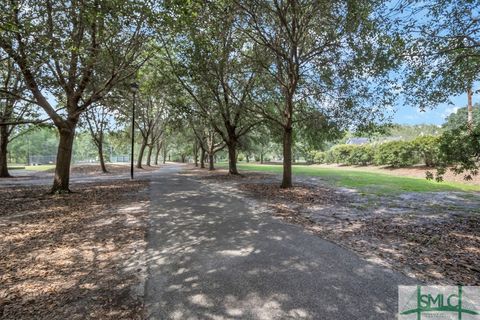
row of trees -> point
(293, 69)
(38, 145)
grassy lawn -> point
(15, 167)
(365, 181)
(43, 167)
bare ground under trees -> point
(74, 256)
(432, 236)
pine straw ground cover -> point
(72, 256)
(433, 236)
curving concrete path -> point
(210, 256)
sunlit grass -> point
(15, 167)
(43, 167)
(365, 180)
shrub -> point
(396, 154)
(361, 155)
(309, 156)
(428, 149)
(319, 157)
(329, 157)
(341, 153)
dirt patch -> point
(72, 256)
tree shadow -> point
(73, 256)
(211, 256)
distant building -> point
(358, 141)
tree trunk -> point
(165, 151)
(64, 157)
(149, 155)
(247, 158)
(232, 158)
(287, 158)
(195, 154)
(157, 154)
(469, 110)
(140, 155)
(211, 166)
(3, 152)
(202, 158)
(261, 158)
(101, 157)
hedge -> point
(394, 153)
(362, 155)
(428, 149)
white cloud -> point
(449, 111)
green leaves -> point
(460, 152)
(441, 53)
(458, 119)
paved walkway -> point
(212, 257)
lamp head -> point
(134, 87)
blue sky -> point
(410, 115)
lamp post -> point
(134, 88)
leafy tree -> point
(212, 68)
(315, 53)
(118, 138)
(98, 120)
(71, 54)
(459, 118)
(313, 133)
(149, 122)
(15, 109)
(35, 141)
(409, 132)
(442, 52)
(259, 142)
(459, 150)
(208, 140)
(84, 149)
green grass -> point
(15, 167)
(43, 167)
(364, 180)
